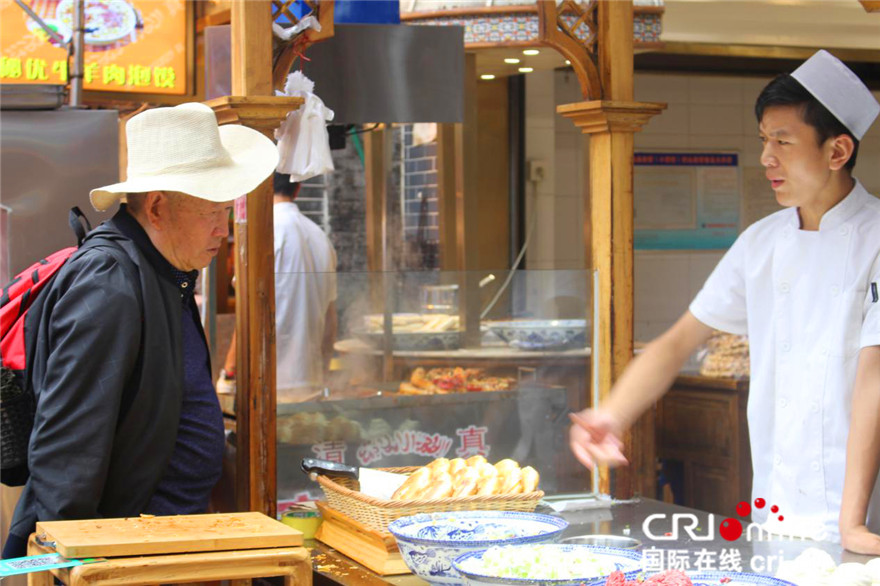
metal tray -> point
(30, 96)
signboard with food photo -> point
(131, 45)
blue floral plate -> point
(606, 559)
(430, 542)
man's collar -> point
(845, 208)
(132, 229)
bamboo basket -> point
(343, 496)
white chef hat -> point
(839, 90)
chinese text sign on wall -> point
(131, 45)
(686, 200)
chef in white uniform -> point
(803, 285)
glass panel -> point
(432, 364)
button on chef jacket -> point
(804, 299)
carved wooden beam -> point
(263, 113)
(610, 116)
(559, 32)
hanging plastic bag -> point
(303, 142)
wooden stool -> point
(239, 567)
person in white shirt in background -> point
(803, 285)
(305, 301)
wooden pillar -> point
(611, 123)
(255, 269)
(377, 162)
(466, 210)
(446, 196)
(376, 188)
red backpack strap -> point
(17, 297)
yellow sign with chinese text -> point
(131, 45)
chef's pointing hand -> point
(595, 438)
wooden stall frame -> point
(611, 121)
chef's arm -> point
(862, 456)
(651, 373)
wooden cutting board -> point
(134, 536)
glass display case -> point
(430, 364)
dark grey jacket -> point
(92, 347)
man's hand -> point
(859, 540)
(595, 438)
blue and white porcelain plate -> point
(595, 563)
(430, 542)
(473, 528)
(734, 579)
(541, 334)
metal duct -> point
(373, 73)
(390, 73)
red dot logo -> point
(774, 509)
(743, 509)
(759, 503)
(781, 518)
(731, 529)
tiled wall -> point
(704, 113)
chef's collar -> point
(127, 224)
(840, 213)
(845, 208)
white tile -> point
(720, 142)
(569, 233)
(752, 88)
(750, 123)
(701, 264)
(651, 87)
(712, 90)
(645, 331)
(751, 152)
(568, 140)
(566, 164)
(645, 141)
(568, 89)
(660, 285)
(673, 120)
(540, 123)
(540, 144)
(715, 119)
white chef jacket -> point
(805, 300)
(305, 285)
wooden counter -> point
(702, 436)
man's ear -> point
(842, 147)
(157, 208)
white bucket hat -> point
(183, 149)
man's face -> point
(796, 164)
(195, 229)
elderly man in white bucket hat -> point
(127, 419)
(803, 285)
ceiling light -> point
(512, 60)
(487, 76)
(526, 69)
(531, 52)
(567, 62)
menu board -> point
(686, 200)
(131, 45)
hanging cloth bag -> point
(303, 142)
